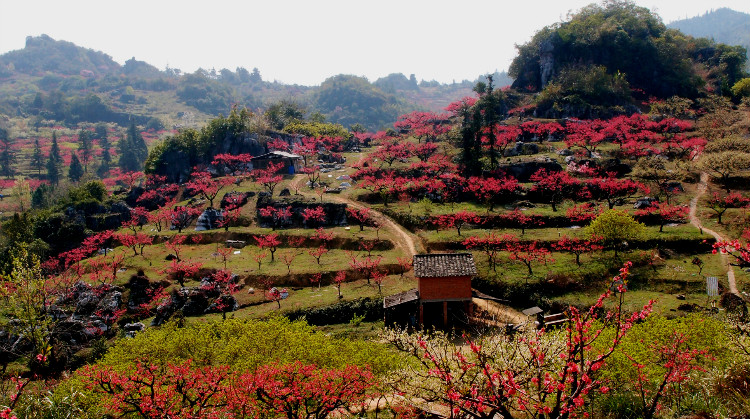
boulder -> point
(86, 303)
(235, 244)
(645, 202)
(110, 302)
(196, 304)
(132, 328)
(209, 219)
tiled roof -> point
(400, 298)
(444, 264)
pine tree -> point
(41, 196)
(54, 161)
(53, 170)
(133, 150)
(127, 161)
(75, 173)
(37, 159)
(7, 155)
(138, 143)
(54, 150)
(85, 138)
(470, 143)
(489, 108)
(103, 170)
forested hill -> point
(722, 25)
(609, 56)
(62, 81)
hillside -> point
(575, 246)
(722, 25)
(45, 67)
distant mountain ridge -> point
(52, 67)
(722, 25)
(44, 54)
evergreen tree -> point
(37, 159)
(54, 161)
(75, 173)
(489, 110)
(53, 170)
(127, 161)
(133, 150)
(138, 143)
(54, 150)
(41, 196)
(106, 163)
(7, 155)
(103, 170)
(85, 138)
(470, 143)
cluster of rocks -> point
(196, 301)
(645, 202)
(522, 148)
(209, 219)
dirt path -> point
(402, 239)
(702, 187)
(499, 312)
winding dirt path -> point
(694, 220)
(402, 239)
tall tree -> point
(7, 155)
(37, 159)
(53, 170)
(85, 139)
(54, 150)
(488, 109)
(133, 150)
(103, 169)
(470, 143)
(75, 173)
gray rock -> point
(111, 301)
(235, 244)
(209, 219)
(645, 202)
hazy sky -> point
(306, 41)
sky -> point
(306, 41)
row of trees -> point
(132, 152)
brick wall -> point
(444, 288)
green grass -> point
(670, 233)
(309, 297)
(671, 275)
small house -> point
(292, 163)
(443, 295)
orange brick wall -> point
(444, 288)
